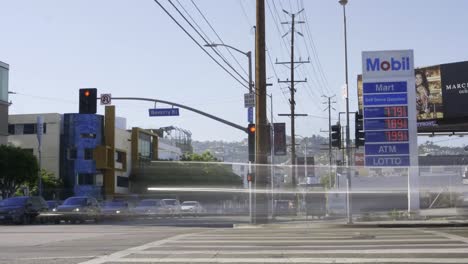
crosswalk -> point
(300, 245)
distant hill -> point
(237, 151)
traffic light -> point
(251, 142)
(250, 177)
(359, 130)
(88, 101)
(336, 136)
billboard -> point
(280, 139)
(441, 96)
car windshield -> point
(75, 201)
(148, 203)
(170, 202)
(15, 201)
(115, 204)
(189, 203)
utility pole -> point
(292, 82)
(329, 107)
(261, 134)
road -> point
(282, 243)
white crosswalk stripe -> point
(300, 245)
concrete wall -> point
(50, 139)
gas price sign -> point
(387, 96)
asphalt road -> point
(145, 242)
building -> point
(4, 68)
(93, 154)
(22, 130)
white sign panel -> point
(389, 110)
(249, 100)
(106, 99)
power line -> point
(199, 34)
(199, 45)
(219, 38)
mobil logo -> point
(391, 64)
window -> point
(119, 157)
(11, 129)
(122, 181)
(72, 154)
(88, 154)
(29, 129)
(86, 179)
(88, 135)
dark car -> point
(116, 207)
(53, 204)
(22, 209)
(79, 209)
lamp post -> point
(248, 54)
(348, 141)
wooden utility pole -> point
(261, 134)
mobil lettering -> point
(394, 64)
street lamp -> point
(248, 54)
(348, 141)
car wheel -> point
(24, 219)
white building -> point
(3, 102)
(22, 130)
(167, 150)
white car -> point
(191, 207)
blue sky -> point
(132, 48)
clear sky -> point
(132, 48)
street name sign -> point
(164, 112)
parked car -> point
(115, 207)
(79, 209)
(149, 207)
(53, 204)
(172, 207)
(22, 209)
(191, 207)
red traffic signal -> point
(250, 177)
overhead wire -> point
(198, 44)
(217, 35)
(204, 37)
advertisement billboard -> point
(441, 96)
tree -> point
(51, 185)
(204, 157)
(17, 167)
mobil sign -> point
(387, 64)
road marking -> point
(351, 236)
(449, 236)
(315, 252)
(295, 260)
(316, 246)
(123, 253)
(58, 257)
(313, 241)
